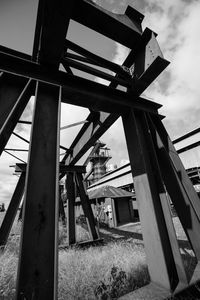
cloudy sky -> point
(177, 23)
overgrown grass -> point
(103, 272)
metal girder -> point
(148, 61)
(163, 254)
(11, 89)
(88, 135)
(94, 235)
(71, 196)
(14, 52)
(76, 90)
(179, 186)
(13, 103)
(98, 73)
(94, 58)
(124, 28)
(12, 210)
(62, 168)
(14, 156)
(37, 270)
(72, 169)
(55, 21)
(26, 141)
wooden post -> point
(37, 270)
(153, 210)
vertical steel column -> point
(61, 208)
(178, 165)
(164, 199)
(71, 222)
(151, 195)
(179, 196)
(12, 210)
(87, 208)
(37, 270)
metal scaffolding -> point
(156, 168)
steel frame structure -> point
(157, 170)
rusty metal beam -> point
(76, 90)
(14, 156)
(15, 93)
(98, 73)
(179, 186)
(15, 112)
(12, 210)
(16, 149)
(124, 28)
(62, 168)
(94, 235)
(56, 17)
(101, 121)
(38, 30)
(88, 135)
(153, 209)
(24, 122)
(71, 196)
(38, 248)
(26, 141)
(94, 58)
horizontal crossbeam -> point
(96, 59)
(123, 28)
(76, 90)
(90, 70)
(63, 168)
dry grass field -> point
(104, 272)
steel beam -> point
(124, 28)
(14, 156)
(9, 118)
(61, 208)
(180, 195)
(151, 197)
(178, 165)
(94, 235)
(37, 270)
(15, 93)
(12, 210)
(76, 90)
(102, 62)
(148, 62)
(71, 221)
(96, 72)
(56, 17)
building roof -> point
(109, 192)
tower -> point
(98, 160)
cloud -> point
(177, 24)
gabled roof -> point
(109, 192)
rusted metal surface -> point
(151, 196)
(71, 195)
(40, 213)
(186, 202)
(38, 248)
(94, 235)
(12, 210)
(15, 93)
